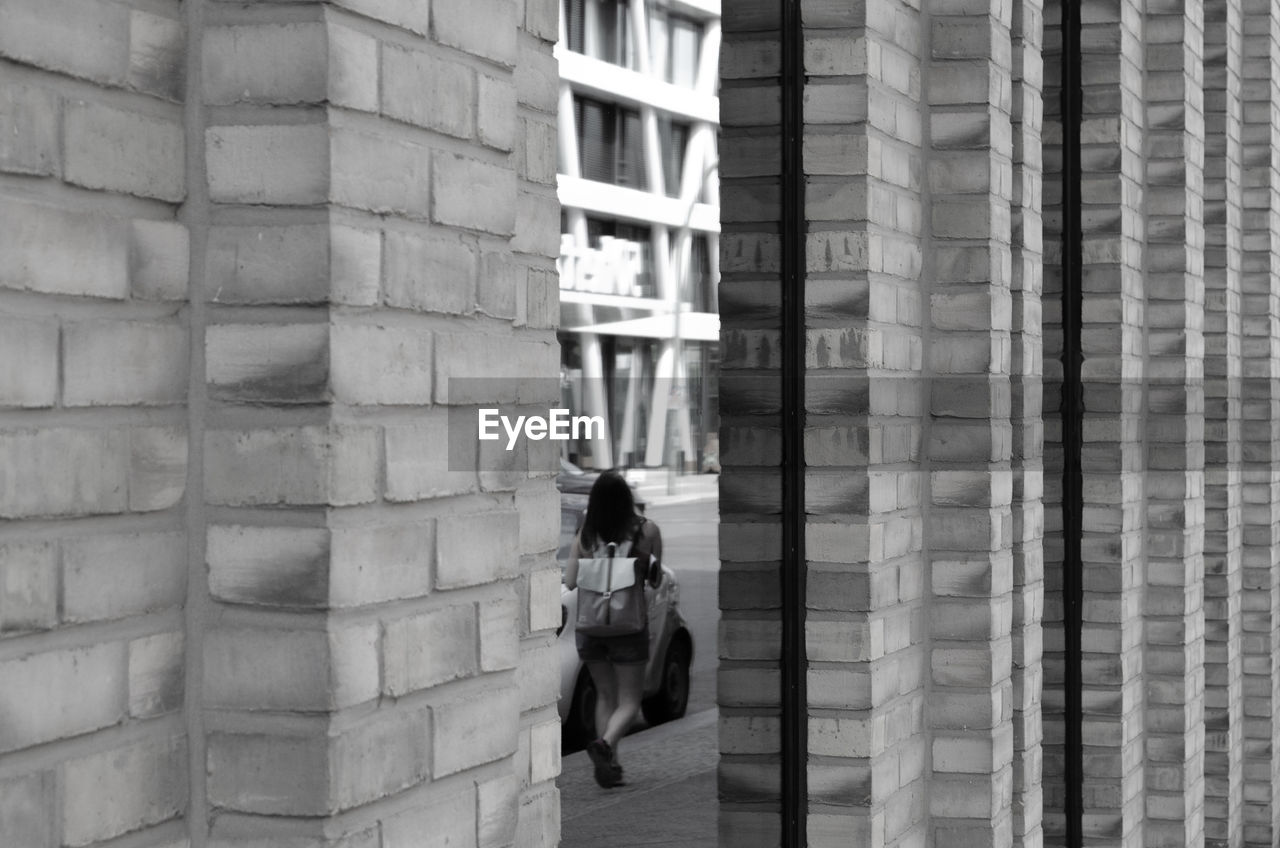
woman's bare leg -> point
(606, 693)
(629, 686)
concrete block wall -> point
(243, 597)
(94, 386)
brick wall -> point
(1224, 507)
(1260, 412)
(1026, 370)
(94, 336)
(749, 679)
(927, 258)
(242, 597)
(912, 509)
(1168, 463)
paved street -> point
(669, 798)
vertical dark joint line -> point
(794, 663)
(1072, 419)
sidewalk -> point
(669, 798)
(652, 485)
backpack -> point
(611, 598)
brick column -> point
(1173, 607)
(379, 627)
(94, 370)
(1026, 410)
(1224, 737)
(749, 683)
(1052, 635)
(968, 440)
(865, 633)
(1260, 429)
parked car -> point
(666, 679)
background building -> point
(639, 249)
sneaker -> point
(607, 771)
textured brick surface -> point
(159, 252)
(109, 577)
(1223, 546)
(29, 127)
(91, 258)
(118, 363)
(113, 793)
(275, 63)
(267, 264)
(1025, 378)
(118, 150)
(34, 701)
(286, 165)
(96, 341)
(747, 676)
(366, 154)
(30, 346)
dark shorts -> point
(619, 650)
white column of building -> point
(698, 174)
(593, 394)
(665, 269)
(675, 260)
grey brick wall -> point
(93, 424)
(1224, 362)
(748, 679)
(1260, 428)
(924, 150)
(1026, 370)
(245, 246)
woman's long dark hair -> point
(611, 511)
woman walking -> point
(616, 663)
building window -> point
(674, 138)
(610, 145)
(673, 43)
(600, 29)
(699, 292)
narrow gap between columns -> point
(794, 699)
(1072, 419)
